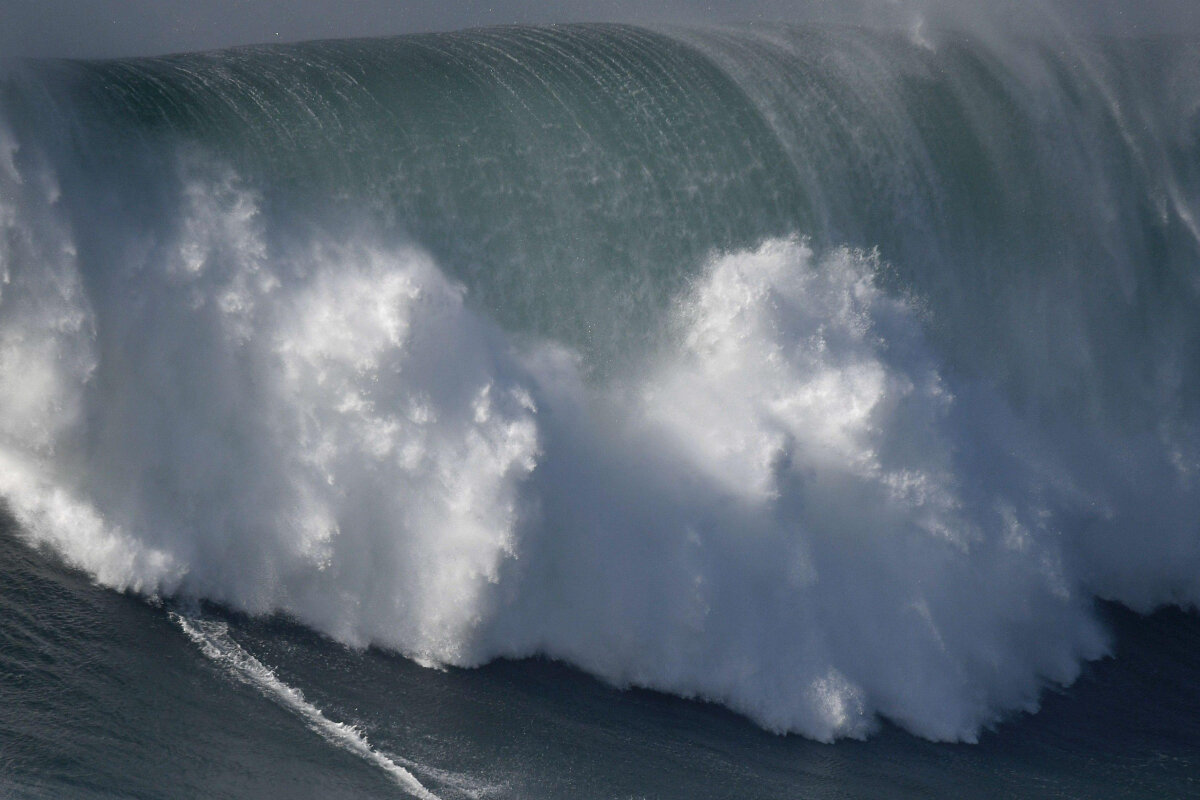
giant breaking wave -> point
(828, 375)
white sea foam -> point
(788, 508)
(775, 516)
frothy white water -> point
(788, 508)
(330, 432)
(774, 515)
(213, 639)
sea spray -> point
(786, 512)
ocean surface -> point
(603, 412)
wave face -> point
(827, 374)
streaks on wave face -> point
(571, 176)
(509, 342)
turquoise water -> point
(571, 411)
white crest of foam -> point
(781, 361)
(788, 509)
(772, 517)
(326, 429)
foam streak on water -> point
(213, 639)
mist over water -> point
(831, 375)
